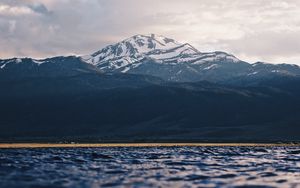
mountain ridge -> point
(170, 60)
(166, 58)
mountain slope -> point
(78, 108)
(19, 68)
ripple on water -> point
(193, 177)
(294, 152)
(95, 155)
(267, 174)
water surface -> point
(151, 167)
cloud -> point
(252, 30)
(14, 10)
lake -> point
(172, 166)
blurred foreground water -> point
(151, 167)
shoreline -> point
(87, 145)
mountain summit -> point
(126, 54)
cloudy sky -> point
(266, 30)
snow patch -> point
(125, 69)
(38, 61)
(18, 60)
(252, 73)
(213, 66)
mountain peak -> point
(159, 38)
(139, 47)
(146, 43)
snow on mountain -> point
(279, 69)
(134, 47)
(131, 49)
(128, 54)
(5, 62)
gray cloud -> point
(252, 30)
(39, 8)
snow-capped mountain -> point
(174, 61)
(122, 55)
(163, 57)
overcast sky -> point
(253, 30)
